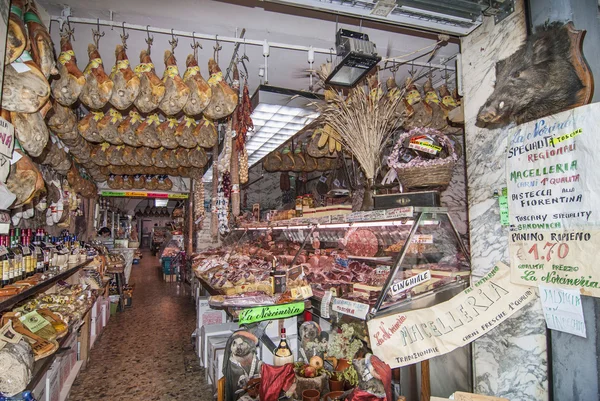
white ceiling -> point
(263, 21)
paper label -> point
(20, 67)
(426, 147)
(449, 101)
(7, 138)
(303, 292)
(413, 97)
(410, 337)
(325, 302)
(504, 216)
(215, 79)
(34, 321)
(432, 97)
(3, 250)
(9, 335)
(563, 310)
(172, 71)
(382, 269)
(422, 239)
(399, 212)
(271, 312)
(554, 200)
(350, 308)
(410, 282)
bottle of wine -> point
(283, 353)
(4, 261)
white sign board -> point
(410, 282)
(554, 200)
(563, 310)
(351, 308)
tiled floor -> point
(145, 353)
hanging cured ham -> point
(185, 133)
(42, 49)
(127, 129)
(176, 91)
(25, 89)
(144, 156)
(198, 157)
(16, 40)
(88, 127)
(67, 88)
(98, 86)
(61, 119)
(182, 158)
(152, 89)
(32, 132)
(206, 134)
(108, 127)
(166, 133)
(147, 132)
(223, 100)
(200, 92)
(126, 84)
(25, 181)
(158, 157)
(129, 156)
(98, 154)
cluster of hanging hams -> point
(124, 132)
(300, 160)
(140, 87)
(140, 181)
(29, 65)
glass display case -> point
(382, 259)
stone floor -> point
(146, 353)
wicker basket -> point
(426, 174)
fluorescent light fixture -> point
(359, 57)
(277, 114)
(161, 202)
(453, 17)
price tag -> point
(323, 179)
(325, 302)
(350, 308)
(410, 282)
(34, 321)
(422, 239)
(382, 269)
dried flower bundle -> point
(365, 120)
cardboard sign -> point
(563, 310)
(554, 200)
(7, 138)
(410, 282)
(34, 321)
(350, 308)
(271, 312)
(410, 337)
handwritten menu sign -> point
(410, 337)
(554, 200)
(563, 310)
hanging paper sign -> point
(563, 310)
(410, 282)
(554, 200)
(410, 337)
(271, 312)
(351, 308)
(7, 138)
(399, 212)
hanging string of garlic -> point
(243, 165)
(224, 162)
(199, 212)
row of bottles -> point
(24, 253)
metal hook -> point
(149, 39)
(96, 33)
(216, 48)
(195, 45)
(67, 32)
(173, 42)
(124, 37)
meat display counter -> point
(366, 264)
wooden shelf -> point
(9, 302)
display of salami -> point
(362, 242)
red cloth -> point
(384, 372)
(274, 379)
(361, 395)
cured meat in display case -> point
(380, 259)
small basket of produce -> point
(423, 157)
